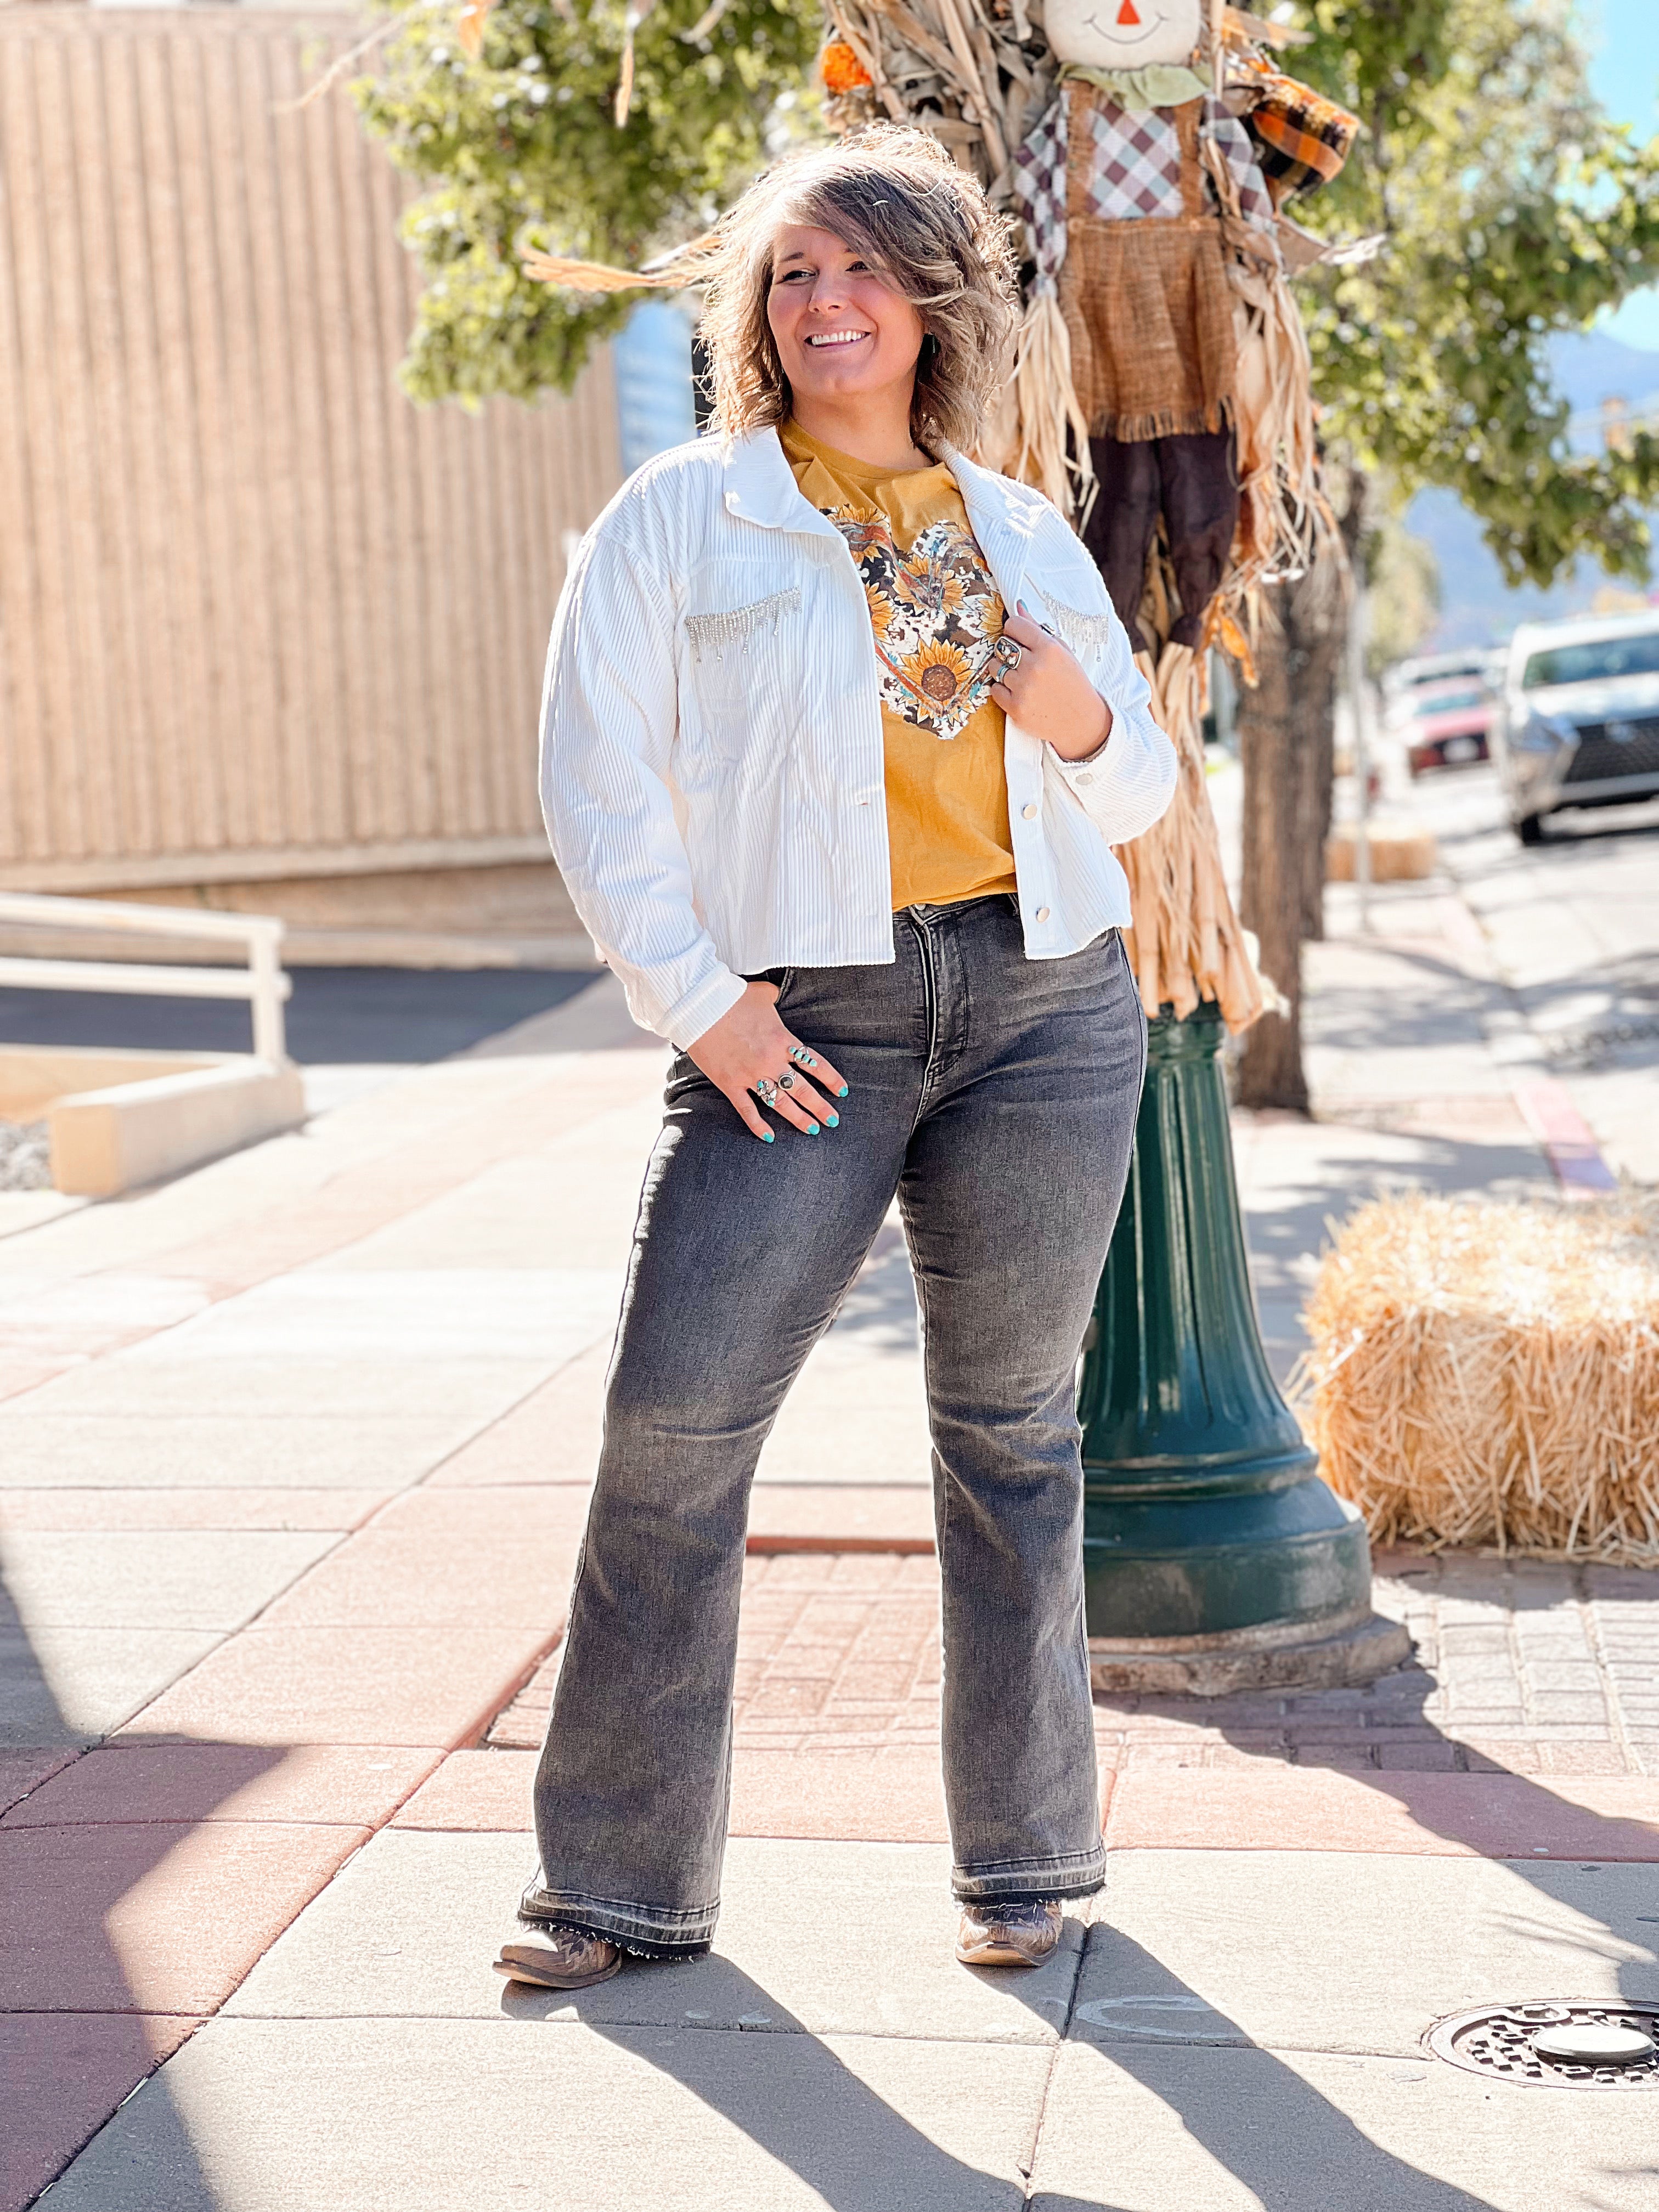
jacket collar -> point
(760, 487)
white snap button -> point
(1087, 777)
(1029, 812)
(1042, 913)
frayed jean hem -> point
(1030, 1881)
(634, 1929)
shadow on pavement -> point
(1541, 1832)
(1276, 2127)
(337, 1017)
(860, 2154)
(75, 2038)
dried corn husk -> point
(976, 78)
(686, 265)
(1187, 944)
(1489, 1374)
(469, 26)
(1050, 444)
(592, 276)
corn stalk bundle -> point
(1186, 943)
(975, 73)
(1489, 1374)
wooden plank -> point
(244, 737)
(57, 807)
(74, 157)
(324, 815)
(128, 716)
(400, 507)
(369, 395)
(24, 827)
(219, 755)
(153, 677)
(336, 344)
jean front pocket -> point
(779, 978)
(1092, 969)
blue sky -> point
(1624, 39)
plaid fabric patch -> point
(1135, 170)
(1040, 189)
(1302, 139)
(1255, 201)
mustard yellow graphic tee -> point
(936, 614)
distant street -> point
(1573, 926)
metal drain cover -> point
(1575, 2044)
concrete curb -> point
(104, 1142)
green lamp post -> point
(1214, 1557)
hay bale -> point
(1489, 1374)
(1400, 855)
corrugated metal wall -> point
(259, 614)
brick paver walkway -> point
(1522, 1666)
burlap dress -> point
(1146, 296)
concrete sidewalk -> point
(292, 1464)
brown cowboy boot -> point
(554, 1958)
(995, 1935)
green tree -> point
(1510, 209)
(521, 149)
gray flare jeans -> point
(996, 1095)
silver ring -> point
(1010, 654)
(785, 1081)
(801, 1057)
(767, 1092)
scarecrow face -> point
(1123, 35)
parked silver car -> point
(1578, 722)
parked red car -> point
(1448, 726)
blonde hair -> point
(894, 195)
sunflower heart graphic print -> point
(936, 615)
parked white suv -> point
(1578, 722)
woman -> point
(837, 731)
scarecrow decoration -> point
(1161, 393)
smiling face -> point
(843, 333)
(1123, 35)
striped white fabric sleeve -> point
(609, 710)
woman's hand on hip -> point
(1048, 694)
(749, 1047)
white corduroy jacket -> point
(711, 752)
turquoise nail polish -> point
(812, 1129)
(833, 1118)
(766, 1136)
(841, 1093)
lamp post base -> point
(1338, 1653)
(1214, 1558)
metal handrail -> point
(264, 983)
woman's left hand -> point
(1048, 694)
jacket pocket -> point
(743, 664)
(1085, 635)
